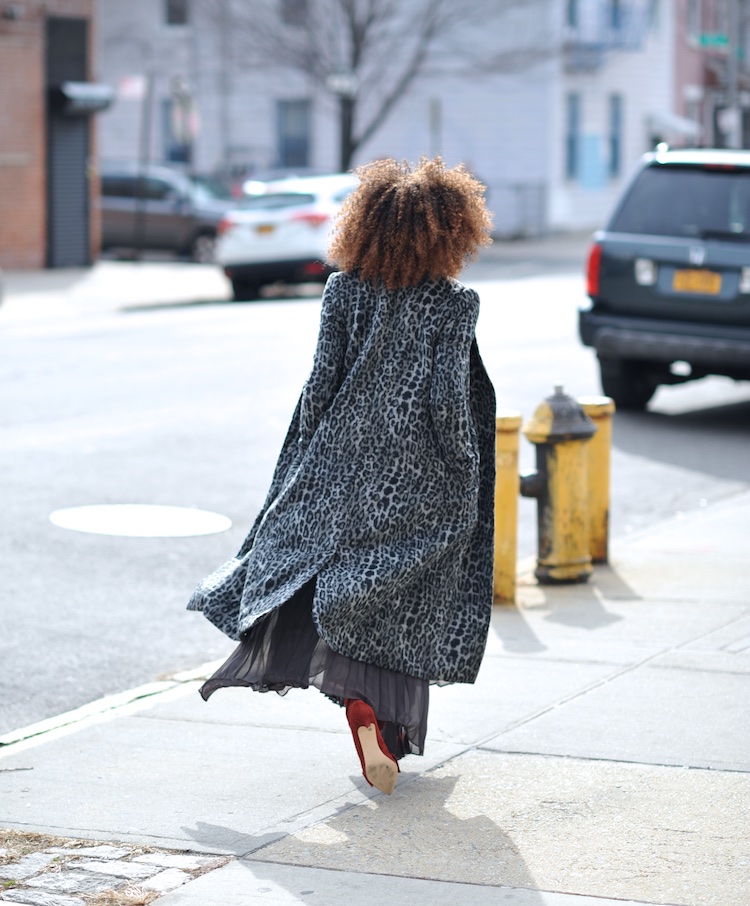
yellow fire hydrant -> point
(559, 429)
(507, 426)
(600, 410)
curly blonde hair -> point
(404, 225)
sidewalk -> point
(111, 285)
(602, 757)
(108, 286)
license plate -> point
(264, 229)
(697, 281)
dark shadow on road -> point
(712, 440)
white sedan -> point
(281, 234)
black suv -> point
(669, 276)
(159, 209)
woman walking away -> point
(368, 572)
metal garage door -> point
(68, 211)
(67, 149)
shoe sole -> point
(380, 770)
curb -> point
(107, 705)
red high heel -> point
(379, 768)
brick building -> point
(48, 209)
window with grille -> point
(572, 135)
(176, 12)
(293, 131)
(294, 12)
(615, 15)
(615, 134)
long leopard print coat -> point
(383, 491)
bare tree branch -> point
(388, 44)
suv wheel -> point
(629, 384)
(243, 291)
(203, 248)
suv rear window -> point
(696, 202)
(277, 200)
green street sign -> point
(713, 39)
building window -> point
(572, 135)
(293, 125)
(294, 12)
(615, 15)
(653, 13)
(615, 134)
(176, 12)
(571, 14)
(176, 138)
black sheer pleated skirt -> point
(284, 651)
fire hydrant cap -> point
(557, 419)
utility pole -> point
(343, 83)
(224, 88)
(734, 112)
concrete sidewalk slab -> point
(662, 835)
(245, 882)
(549, 778)
(516, 688)
(115, 778)
(651, 715)
(183, 784)
(731, 639)
(564, 620)
(508, 690)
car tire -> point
(244, 291)
(203, 248)
(629, 384)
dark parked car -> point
(161, 210)
(669, 276)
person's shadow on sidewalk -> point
(432, 828)
(215, 838)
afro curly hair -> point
(403, 225)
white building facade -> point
(553, 131)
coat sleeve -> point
(450, 400)
(328, 364)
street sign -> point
(713, 39)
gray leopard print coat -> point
(383, 491)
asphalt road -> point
(145, 401)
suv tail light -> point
(592, 270)
(311, 218)
(224, 225)
(314, 269)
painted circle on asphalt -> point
(135, 520)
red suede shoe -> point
(379, 768)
